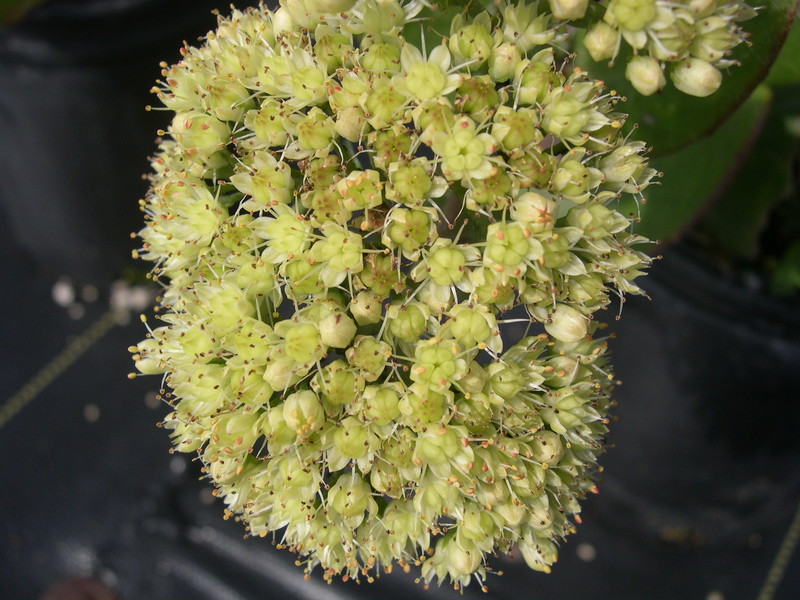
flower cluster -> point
(344, 224)
(693, 37)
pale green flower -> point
(464, 151)
(427, 77)
(338, 220)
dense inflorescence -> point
(343, 224)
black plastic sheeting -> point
(91, 490)
(75, 77)
(698, 489)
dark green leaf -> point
(737, 218)
(786, 70)
(693, 175)
(435, 26)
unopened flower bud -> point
(472, 43)
(547, 447)
(283, 22)
(567, 324)
(383, 57)
(303, 343)
(569, 9)
(701, 7)
(535, 78)
(645, 75)
(515, 128)
(513, 515)
(380, 404)
(572, 180)
(337, 330)
(351, 123)
(477, 96)
(369, 355)
(384, 105)
(350, 496)
(337, 383)
(696, 77)
(382, 17)
(633, 15)
(351, 438)
(503, 62)
(281, 372)
(315, 130)
(436, 447)
(366, 308)
(332, 48)
(407, 322)
(602, 41)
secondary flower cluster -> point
(343, 224)
(694, 37)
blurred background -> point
(702, 477)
